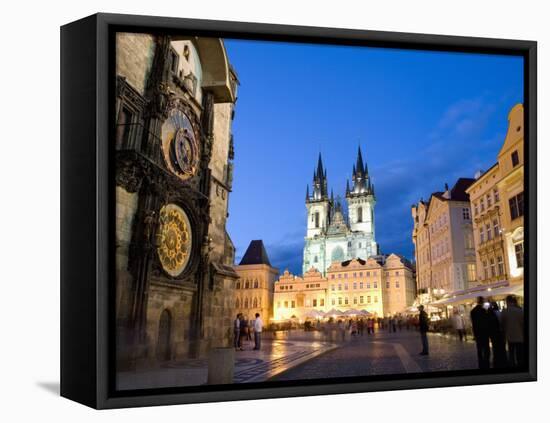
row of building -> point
(472, 235)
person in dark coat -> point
(423, 324)
(497, 337)
(481, 328)
(512, 325)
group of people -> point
(243, 329)
(498, 333)
(494, 330)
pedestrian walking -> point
(481, 327)
(258, 326)
(423, 325)
(393, 322)
(237, 333)
(496, 337)
(512, 325)
(459, 325)
(361, 326)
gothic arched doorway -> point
(164, 336)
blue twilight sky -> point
(422, 119)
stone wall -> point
(134, 56)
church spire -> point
(320, 185)
(360, 177)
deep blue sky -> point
(422, 119)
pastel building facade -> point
(498, 209)
(382, 285)
(443, 240)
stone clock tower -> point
(174, 149)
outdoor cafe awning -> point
(470, 297)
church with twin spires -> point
(333, 235)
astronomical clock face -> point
(174, 239)
(179, 145)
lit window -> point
(516, 206)
(518, 248)
(515, 159)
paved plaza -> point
(311, 355)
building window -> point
(488, 230)
(475, 209)
(485, 270)
(333, 301)
(238, 285)
(368, 299)
(493, 267)
(322, 302)
(124, 127)
(237, 303)
(339, 300)
(361, 298)
(360, 285)
(354, 285)
(375, 285)
(360, 245)
(292, 304)
(360, 216)
(500, 265)
(255, 302)
(375, 299)
(361, 274)
(496, 195)
(286, 304)
(387, 284)
(174, 63)
(489, 200)
(516, 206)
(247, 284)
(332, 276)
(256, 283)
(346, 301)
(339, 287)
(468, 241)
(519, 254)
(481, 235)
(471, 269)
(482, 205)
(316, 219)
(315, 259)
(346, 286)
(397, 284)
(496, 229)
(333, 288)
(354, 300)
(466, 213)
(515, 158)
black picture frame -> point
(87, 208)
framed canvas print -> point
(255, 211)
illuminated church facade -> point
(332, 234)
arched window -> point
(237, 303)
(359, 214)
(255, 303)
(246, 303)
(238, 285)
(256, 283)
(247, 284)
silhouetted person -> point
(237, 332)
(481, 326)
(458, 325)
(496, 336)
(423, 325)
(512, 325)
